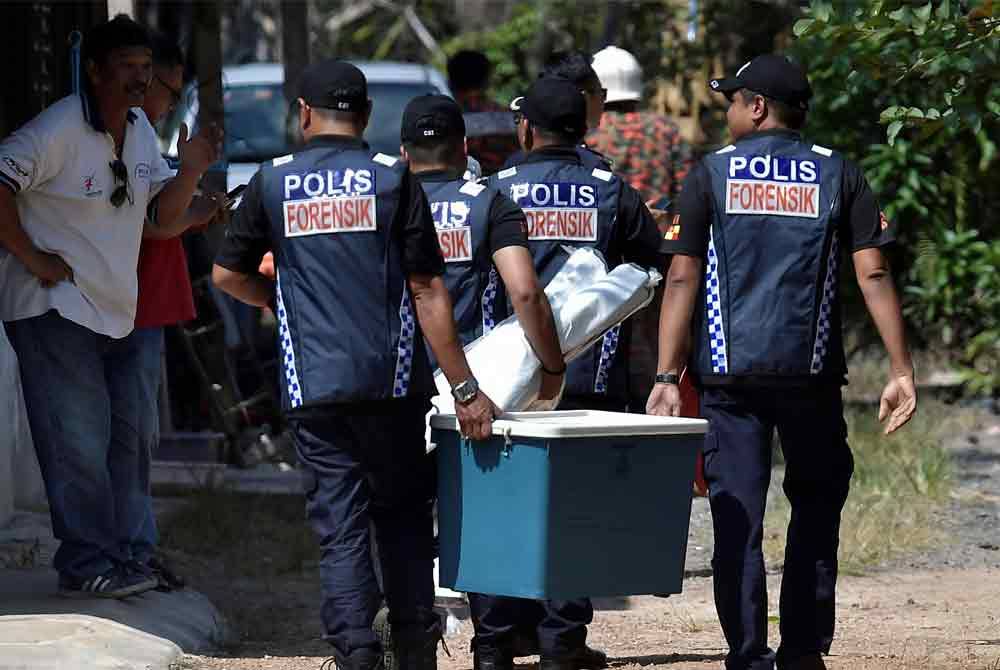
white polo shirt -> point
(59, 166)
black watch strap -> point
(668, 378)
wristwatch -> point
(466, 391)
(668, 378)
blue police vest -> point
(569, 205)
(347, 327)
(769, 303)
(461, 212)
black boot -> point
(486, 657)
(581, 658)
(359, 659)
(415, 646)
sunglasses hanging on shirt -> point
(123, 191)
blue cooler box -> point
(566, 504)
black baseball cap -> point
(334, 84)
(431, 118)
(772, 76)
(554, 103)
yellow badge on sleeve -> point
(674, 231)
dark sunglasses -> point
(175, 94)
(122, 192)
(518, 117)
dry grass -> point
(898, 482)
(244, 535)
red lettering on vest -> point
(562, 223)
(329, 215)
(754, 196)
(455, 243)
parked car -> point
(260, 123)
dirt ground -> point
(937, 610)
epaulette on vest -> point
(509, 172)
(603, 175)
(822, 151)
(281, 160)
(472, 188)
(384, 159)
(726, 150)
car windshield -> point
(256, 117)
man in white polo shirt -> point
(76, 183)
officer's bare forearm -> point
(12, 235)
(253, 289)
(530, 304)
(679, 295)
(535, 314)
(875, 279)
(434, 312)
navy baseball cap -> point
(431, 118)
(772, 76)
(334, 84)
(554, 103)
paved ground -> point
(40, 630)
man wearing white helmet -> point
(647, 151)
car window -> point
(388, 102)
(260, 125)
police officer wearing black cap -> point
(358, 288)
(569, 203)
(483, 237)
(762, 226)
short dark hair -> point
(558, 136)
(166, 52)
(572, 65)
(119, 32)
(433, 152)
(787, 115)
(337, 115)
(469, 70)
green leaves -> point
(909, 88)
(893, 130)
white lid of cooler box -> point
(582, 423)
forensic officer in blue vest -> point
(569, 202)
(483, 237)
(762, 226)
(358, 288)
(575, 66)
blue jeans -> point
(818, 468)
(138, 523)
(83, 402)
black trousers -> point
(559, 625)
(818, 469)
(364, 471)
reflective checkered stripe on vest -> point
(461, 212)
(769, 302)
(346, 325)
(569, 206)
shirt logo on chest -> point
(451, 220)
(558, 210)
(772, 185)
(90, 186)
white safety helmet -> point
(619, 72)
